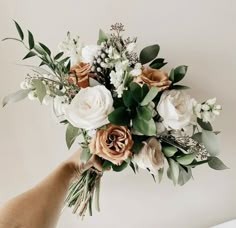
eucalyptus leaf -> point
(197, 137)
(216, 163)
(71, 134)
(173, 170)
(157, 63)
(40, 89)
(160, 174)
(184, 176)
(186, 159)
(144, 113)
(149, 53)
(169, 151)
(31, 40)
(136, 91)
(210, 142)
(145, 127)
(128, 99)
(152, 93)
(85, 154)
(21, 34)
(179, 73)
(14, 97)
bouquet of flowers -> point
(121, 107)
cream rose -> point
(150, 156)
(112, 143)
(90, 108)
(88, 53)
(176, 109)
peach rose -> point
(79, 74)
(153, 77)
(112, 143)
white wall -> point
(201, 34)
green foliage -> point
(20, 32)
(173, 170)
(216, 163)
(119, 168)
(149, 53)
(14, 97)
(129, 100)
(178, 73)
(45, 48)
(144, 113)
(152, 93)
(157, 63)
(210, 142)
(40, 89)
(120, 116)
(143, 126)
(186, 159)
(106, 165)
(197, 137)
(102, 37)
(184, 176)
(31, 40)
(168, 150)
(204, 125)
(71, 134)
(138, 142)
(179, 87)
(85, 154)
(136, 91)
(59, 55)
(160, 174)
(29, 55)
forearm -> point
(39, 207)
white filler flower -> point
(90, 108)
(176, 109)
(88, 53)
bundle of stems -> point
(82, 192)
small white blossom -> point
(32, 95)
(130, 47)
(89, 52)
(137, 70)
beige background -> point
(201, 34)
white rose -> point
(88, 53)
(90, 108)
(150, 156)
(176, 109)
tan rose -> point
(153, 77)
(79, 74)
(112, 143)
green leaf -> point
(119, 116)
(186, 159)
(216, 163)
(180, 72)
(160, 174)
(197, 163)
(204, 125)
(136, 91)
(119, 168)
(173, 170)
(59, 55)
(172, 75)
(184, 176)
(197, 137)
(152, 93)
(132, 167)
(145, 127)
(157, 63)
(144, 113)
(31, 40)
(21, 34)
(29, 55)
(102, 37)
(149, 53)
(38, 49)
(85, 154)
(179, 87)
(169, 151)
(210, 142)
(45, 48)
(14, 97)
(40, 89)
(71, 134)
(97, 194)
(106, 165)
(128, 99)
